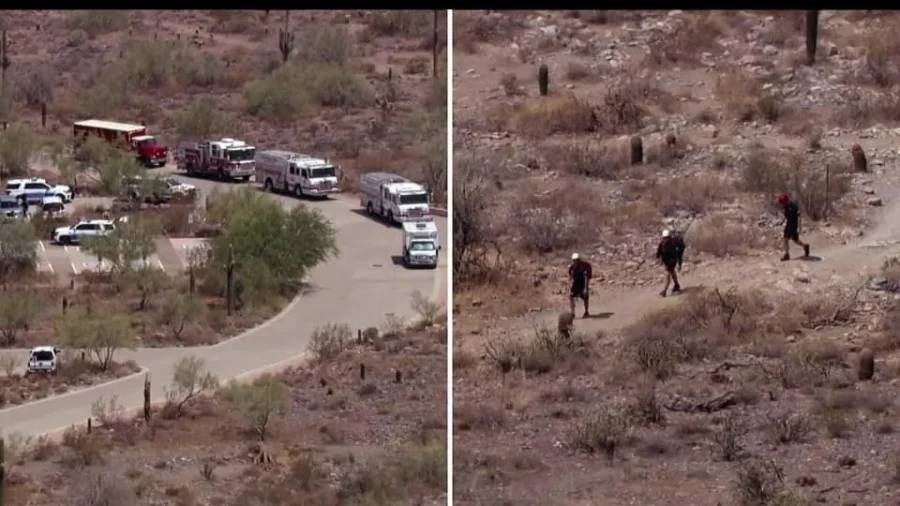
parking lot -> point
(171, 256)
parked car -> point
(44, 359)
(82, 229)
(34, 190)
(150, 191)
(10, 207)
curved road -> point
(358, 288)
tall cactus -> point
(434, 47)
(543, 79)
(4, 63)
(147, 398)
(229, 281)
(286, 39)
(812, 36)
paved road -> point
(171, 256)
(359, 288)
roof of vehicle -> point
(312, 163)
(43, 348)
(109, 125)
(30, 180)
(420, 226)
(96, 222)
(229, 143)
(383, 177)
(286, 155)
(141, 137)
(406, 187)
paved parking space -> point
(171, 256)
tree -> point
(274, 248)
(17, 146)
(131, 242)
(101, 336)
(189, 379)
(18, 249)
(202, 120)
(178, 311)
(258, 403)
(17, 312)
(147, 280)
(472, 237)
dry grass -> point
(690, 39)
(555, 114)
(745, 99)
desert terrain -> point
(357, 88)
(765, 382)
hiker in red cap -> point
(791, 226)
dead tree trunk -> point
(147, 398)
(229, 280)
(812, 36)
(435, 46)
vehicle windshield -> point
(10, 187)
(147, 142)
(422, 246)
(241, 155)
(42, 356)
(414, 198)
(322, 172)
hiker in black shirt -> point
(791, 226)
(670, 253)
(580, 274)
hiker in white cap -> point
(580, 273)
(670, 253)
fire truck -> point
(150, 152)
(225, 158)
(289, 172)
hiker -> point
(670, 253)
(24, 207)
(791, 226)
(580, 274)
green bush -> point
(292, 89)
(98, 22)
(409, 23)
(325, 45)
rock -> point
(875, 202)
(770, 50)
(869, 191)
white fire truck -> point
(393, 197)
(225, 158)
(289, 172)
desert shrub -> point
(691, 38)
(479, 416)
(324, 45)
(408, 23)
(473, 239)
(789, 428)
(37, 87)
(759, 483)
(602, 431)
(292, 90)
(721, 238)
(330, 340)
(98, 22)
(18, 253)
(259, 403)
(694, 194)
(772, 173)
(586, 158)
(17, 147)
(882, 63)
(556, 114)
(547, 222)
(745, 99)
(511, 86)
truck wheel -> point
(369, 210)
(298, 191)
(267, 186)
(221, 174)
(190, 169)
(390, 217)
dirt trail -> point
(618, 308)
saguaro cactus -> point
(147, 398)
(434, 47)
(229, 281)
(4, 63)
(637, 150)
(2, 472)
(543, 79)
(860, 164)
(812, 36)
(286, 39)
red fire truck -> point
(224, 158)
(150, 152)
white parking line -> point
(42, 246)
(73, 268)
(51, 268)
(65, 248)
(158, 261)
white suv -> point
(43, 359)
(34, 190)
(82, 229)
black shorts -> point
(578, 292)
(792, 233)
(670, 266)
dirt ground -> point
(746, 389)
(340, 439)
